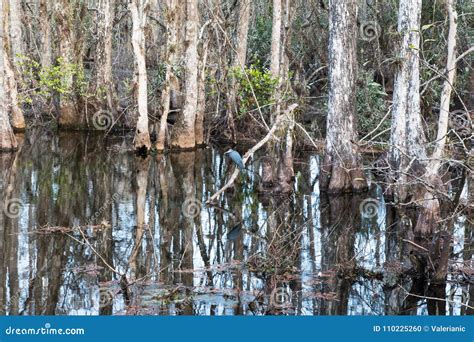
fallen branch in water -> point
(59, 229)
(250, 152)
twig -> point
(87, 243)
(435, 298)
(416, 245)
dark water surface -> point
(88, 228)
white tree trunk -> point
(139, 9)
(276, 39)
(16, 25)
(68, 117)
(407, 141)
(11, 85)
(170, 78)
(242, 34)
(342, 167)
(201, 101)
(430, 205)
(45, 37)
(18, 120)
(103, 83)
(447, 89)
(183, 135)
(7, 138)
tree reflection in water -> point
(101, 231)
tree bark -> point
(447, 90)
(65, 15)
(430, 204)
(11, 43)
(170, 78)
(342, 167)
(276, 39)
(102, 85)
(282, 152)
(407, 137)
(46, 56)
(201, 100)
(183, 134)
(139, 10)
(7, 138)
(16, 34)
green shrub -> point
(47, 81)
(253, 80)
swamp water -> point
(88, 228)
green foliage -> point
(259, 41)
(48, 81)
(253, 80)
(371, 107)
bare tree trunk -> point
(46, 55)
(102, 85)
(201, 101)
(276, 53)
(274, 167)
(183, 134)
(65, 15)
(12, 17)
(284, 152)
(242, 34)
(430, 205)
(407, 137)
(7, 138)
(139, 10)
(447, 89)
(342, 167)
(16, 36)
(170, 78)
(276, 39)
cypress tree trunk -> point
(13, 48)
(67, 12)
(102, 84)
(45, 37)
(183, 134)
(407, 140)
(7, 138)
(170, 78)
(139, 10)
(341, 167)
(201, 100)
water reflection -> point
(88, 228)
